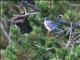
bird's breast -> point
(46, 26)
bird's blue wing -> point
(52, 25)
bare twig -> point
(76, 39)
(25, 3)
(5, 32)
(47, 49)
(70, 38)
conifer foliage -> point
(39, 45)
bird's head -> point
(46, 18)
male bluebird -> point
(50, 26)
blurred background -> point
(38, 45)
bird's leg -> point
(49, 35)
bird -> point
(51, 26)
